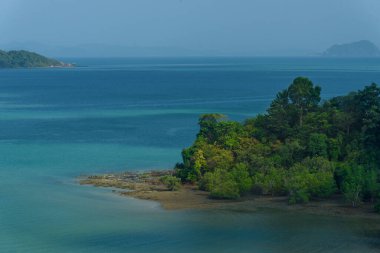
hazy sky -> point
(226, 27)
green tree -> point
(208, 123)
(290, 152)
(313, 177)
(242, 178)
(304, 96)
(279, 116)
(271, 181)
(221, 185)
(227, 184)
(299, 148)
(318, 145)
(335, 147)
(369, 104)
(371, 185)
(353, 184)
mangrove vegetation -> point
(302, 147)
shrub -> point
(241, 176)
(221, 185)
(353, 184)
(314, 177)
(318, 145)
(172, 183)
(270, 182)
(300, 196)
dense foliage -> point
(171, 182)
(301, 147)
(25, 59)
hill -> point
(26, 59)
(363, 48)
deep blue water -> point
(120, 114)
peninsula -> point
(26, 59)
(301, 153)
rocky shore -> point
(149, 186)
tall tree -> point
(369, 105)
(304, 96)
(278, 118)
(208, 123)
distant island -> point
(26, 59)
(363, 48)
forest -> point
(25, 59)
(301, 147)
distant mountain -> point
(26, 59)
(363, 48)
(107, 50)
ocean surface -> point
(109, 115)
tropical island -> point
(303, 152)
(363, 48)
(26, 59)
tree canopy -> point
(301, 147)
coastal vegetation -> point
(302, 148)
(26, 59)
(171, 182)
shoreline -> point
(147, 186)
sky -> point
(204, 27)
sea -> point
(120, 114)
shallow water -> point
(124, 114)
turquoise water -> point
(122, 114)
